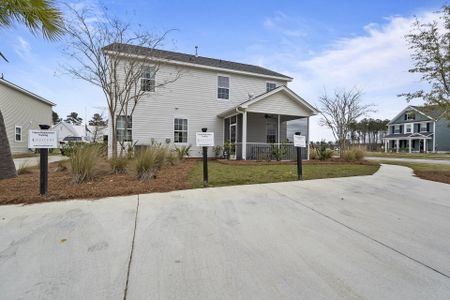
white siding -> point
(279, 103)
(19, 109)
(194, 97)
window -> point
(270, 86)
(124, 134)
(18, 135)
(271, 130)
(180, 130)
(410, 115)
(397, 129)
(423, 127)
(408, 128)
(223, 87)
(148, 82)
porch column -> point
(386, 143)
(278, 132)
(397, 145)
(424, 145)
(434, 136)
(307, 138)
(409, 145)
(244, 135)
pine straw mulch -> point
(25, 188)
(439, 176)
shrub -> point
(217, 150)
(61, 167)
(278, 152)
(353, 154)
(119, 164)
(83, 160)
(149, 161)
(182, 152)
(23, 169)
(172, 158)
(321, 152)
(67, 149)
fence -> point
(275, 151)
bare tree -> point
(98, 44)
(340, 111)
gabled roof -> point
(433, 111)
(282, 88)
(194, 60)
(24, 91)
(408, 108)
(76, 130)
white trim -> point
(187, 130)
(244, 136)
(270, 82)
(434, 136)
(15, 134)
(22, 90)
(168, 61)
(154, 76)
(409, 107)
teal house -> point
(418, 129)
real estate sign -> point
(204, 139)
(43, 139)
(299, 141)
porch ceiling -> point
(280, 101)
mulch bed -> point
(25, 187)
(439, 176)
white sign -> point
(42, 139)
(299, 141)
(204, 139)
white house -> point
(22, 110)
(80, 133)
(246, 105)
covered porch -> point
(410, 143)
(262, 128)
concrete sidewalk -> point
(384, 236)
(413, 160)
(34, 161)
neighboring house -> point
(67, 131)
(418, 129)
(246, 105)
(22, 111)
(97, 134)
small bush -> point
(61, 167)
(149, 161)
(119, 164)
(321, 152)
(172, 158)
(278, 151)
(217, 151)
(183, 151)
(353, 154)
(83, 160)
(23, 169)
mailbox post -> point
(43, 140)
(299, 142)
(205, 139)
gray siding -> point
(20, 109)
(442, 135)
(419, 117)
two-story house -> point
(246, 105)
(418, 129)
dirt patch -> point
(439, 176)
(25, 188)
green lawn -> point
(445, 156)
(224, 174)
(418, 166)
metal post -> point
(205, 163)
(299, 161)
(43, 172)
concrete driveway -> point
(385, 236)
(34, 161)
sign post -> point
(205, 139)
(299, 142)
(43, 140)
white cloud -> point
(22, 48)
(376, 62)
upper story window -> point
(410, 115)
(270, 86)
(423, 127)
(180, 130)
(148, 81)
(223, 87)
(18, 134)
(396, 128)
(124, 127)
(408, 128)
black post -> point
(299, 161)
(43, 172)
(205, 163)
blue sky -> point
(324, 45)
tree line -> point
(369, 132)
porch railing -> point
(270, 151)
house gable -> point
(419, 116)
(280, 103)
